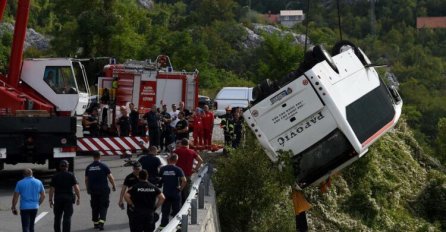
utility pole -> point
(249, 6)
(372, 17)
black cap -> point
(63, 163)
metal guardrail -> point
(201, 186)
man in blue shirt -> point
(31, 194)
(174, 181)
(96, 175)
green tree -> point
(440, 141)
(205, 12)
(249, 188)
(276, 57)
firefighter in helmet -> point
(227, 124)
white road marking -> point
(41, 215)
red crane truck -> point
(39, 101)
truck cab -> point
(62, 81)
(327, 115)
(38, 119)
(39, 101)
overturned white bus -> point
(327, 113)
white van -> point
(232, 96)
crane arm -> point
(15, 61)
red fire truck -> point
(147, 83)
(143, 83)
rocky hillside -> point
(33, 38)
(395, 187)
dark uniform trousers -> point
(186, 191)
(63, 207)
(166, 136)
(170, 202)
(99, 205)
(154, 136)
(131, 215)
(142, 220)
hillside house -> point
(431, 22)
(290, 18)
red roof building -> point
(431, 22)
(272, 18)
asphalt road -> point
(81, 221)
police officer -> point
(124, 123)
(96, 176)
(62, 185)
(153, 122)
(151, 163)
(129, 181)
(166, 135)
(134, 120)
(174, 181)
(141, 199)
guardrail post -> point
(201, 196)
(194, 213)
(206, 184)
(210, 169)
(184, 223)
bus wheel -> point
(268, 86)
(256, 93)
(344, 45)
(321, 54)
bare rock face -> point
(37, 40)
(32, 39)
(254, 38)
(148, 4)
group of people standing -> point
(141, 190)
(174, 178)
(166, 127)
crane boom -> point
(15, 61)
(2, 8)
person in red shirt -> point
(208, 126)
(186, 158)
(198, 127)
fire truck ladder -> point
(190, 90)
